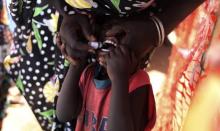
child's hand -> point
(120, 63)
(75, 34)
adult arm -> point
(175, 11)
(70, 99)
(75, 31)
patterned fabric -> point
(109, 7)
(185, 67)
(31, 62)
(96, 101)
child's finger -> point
(124, 50)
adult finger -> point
(58, 40)
(83, 47)
(59, 5)
(76, 44)
(76, 54)
(71, 60)
(87, 28)
(114, 31)
(63, 50)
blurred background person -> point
(4, 44)
(32, 58)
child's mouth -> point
(103, 48)
(107, 46)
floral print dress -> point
(31, 62)
(120, 8)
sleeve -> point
(142, 80)
(139, 79)
(85, 77)
(82, 81)
(151, 114)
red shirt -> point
(96, 102)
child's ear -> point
(144, 62)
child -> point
(118, 97)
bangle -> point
(161, 37)
(160, 30)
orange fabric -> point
(193, 38)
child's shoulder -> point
(139, 79)
(89, 69)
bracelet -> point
(160, 30)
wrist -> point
(119, 78)
(76, 68)
(120, 86)
(160, 30)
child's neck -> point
(101, 73)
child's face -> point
(140, 49)
(125, 33)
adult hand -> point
(120, 63)
(75, 33)
(62, 48)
